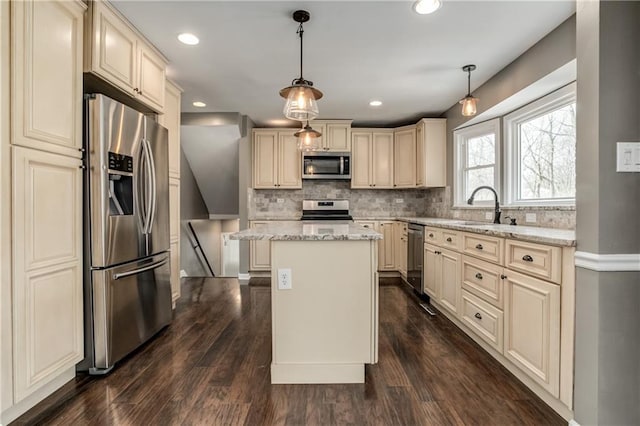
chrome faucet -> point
(497, 212)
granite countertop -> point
(558, 237)
(307, 231)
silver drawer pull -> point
(479, 276)
(527, 258)
(477, 315)
(449, 240)
(479, 246)
(430, 235)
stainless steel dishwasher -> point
(415, 253)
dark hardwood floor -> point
(211, 367)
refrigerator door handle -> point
(139, 270)
(148, 196)
(154, 187)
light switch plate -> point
(399, 200)
(628, 157)
(280, 200)
(488, 215)
(530, 218)
(284, 279)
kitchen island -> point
(324, 300)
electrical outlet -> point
(530, 218)
(399, 201)
(280, 200)
(284, 279)
(488, 215)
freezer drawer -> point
(131, 303)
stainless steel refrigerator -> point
(127, 277)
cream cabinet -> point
(174, 236)
(336, 134)
(532, 328)
(386, 247)
(442, 277)
(46, 76)
(404, 155)
(259, 251)
(401, 246)
(121, 56)
(171, 120)
(372, 158)
(47, 303)
(431, 152)
(43, 336)
(277, 162)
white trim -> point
(572, 422)
(244, 276)
(607, 262)
(462, 135)
(511, 145)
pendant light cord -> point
(301, 32)
(469, 82)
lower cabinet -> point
(175, 271)
(386, 247)
(532, 328)
(47, 268)
(485, 320)
(259, 252)
(442, 277)
(401, 238)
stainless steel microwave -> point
(326, 165)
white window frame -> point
(460, 137)
(544, 105)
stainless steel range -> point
(325, 210)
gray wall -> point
(244, 183)
(556, 50)
(192, 207)
(607, 385)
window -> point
(540, 151)
(476, 160)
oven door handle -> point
(341, 165)
(140, 270)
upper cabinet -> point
(372, 158)
(46, 77)
(171, 120)
(277, 162)
(404, 153)
(120, 55)
(431, 152)
(337, 136)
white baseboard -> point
(183, 273)
(607, 262)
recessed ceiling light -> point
(199, 104)
(188, 38)
(425, 7)
(375, 103)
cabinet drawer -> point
(483, 279)
(370, 224)
(451, 239)
(535, 259)
(485, 320)
(484, 247)
(433, 236)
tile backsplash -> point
(389, 203)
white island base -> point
(325, 327)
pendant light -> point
(469, 102)
(308, 138)
(301, 96)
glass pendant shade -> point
(308, 139)
(468, 106)
(301, 104)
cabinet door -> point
(432, 152)
(151, 77)
(386, 252)
(289, 161)
(115, 49)
(432, 266)
(450, 285)
(532, 328)
(361, 156)
(47, 266)
(175, 271)
(174, 209)
(338, 137)
(259, 252)
(46, 75)
(420, 154)
(405, 159)
(401, 248)
(171, 120)
(265, 148)
(382, 160)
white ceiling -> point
(355, 51)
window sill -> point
(518, 207)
